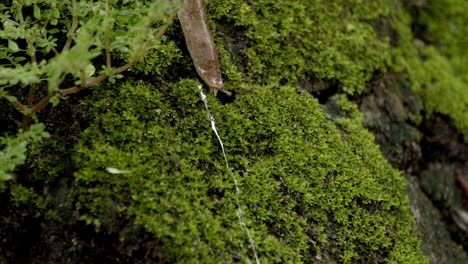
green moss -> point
(436, 65)
(435, 80)
(306, 188)
(310, 188)
(446, 28)
(23, 205)
(158, 60)
(281, 40)
(347, 41)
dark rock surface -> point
(434, 158)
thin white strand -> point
(240, 214)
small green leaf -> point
(54, 31)
(90, 70)
(11, 98)
(13, 46)
(54, 101)
(5, 176)
(31, 50)
(56, 13)
(19, 59)
(37, 12)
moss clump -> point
(282, 40)
(435, 61)
(157, 61)
(348, 41)
(307, 189)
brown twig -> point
(26, 118)
(83, 78)
(21, 108)
(32, 87)
(13, 22)
(63, 92)
(18, 105)
(42, 103)
(25, 122)
(31, 94)
(73, 29)
(56, 52)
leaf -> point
(13, 46)
(54, 101)
(19, 59)
(37, 12)
(90, 70)
(14, 149)
(5, 176)
(31, 50)
(11, 98)
(53, 31)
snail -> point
(200, 44)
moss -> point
(436, 63)
(24, 205)
(348, 41)
(311, 188)
(305, 186)
(446, 28)
(436, 82)
(158, 60)
(282, 40)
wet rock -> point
(438, 182)
(320, 89)
(434, 157)
(391, 111)
(437, 242)
(445, 172)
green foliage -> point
(306, 187)
(13, 152)
(58, 42)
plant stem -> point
(73, 28)
(25, 122)
(18, 105)
(32, 87)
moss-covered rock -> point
(148, 171)
(279, 41)
(348, 41)
(307, 189)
